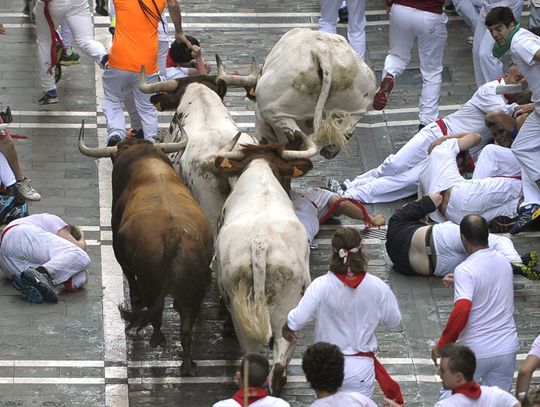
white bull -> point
(313, 81)
(204, 125)
(262, 252)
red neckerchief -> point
(471, 390)
(350, 279)
(254, 394)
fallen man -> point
(417, 248)
(43, 256)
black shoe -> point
(343, 15)
(6, 116)
(41, 281)
(421, 126)
(102, 7)
(114, 140)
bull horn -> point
(227, 152)
(310, 150)
(237, 80)
(172, 147)
(94, 152)
(158, 87)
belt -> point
(442, 126)
(5, 231)
(430, 250)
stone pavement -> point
(75, 352)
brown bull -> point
(161, 239)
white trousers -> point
(76, 15)
(526, 148)
(356, 28)
(359, 375)
(489, 197)
(118, 85)
(429, 30)
(67, 37)
(496, 161)
(496, 371)
(384, 189)
(468, 10)
(26, 246)
(486, 66)
(7, 176)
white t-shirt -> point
(309, 205)
(345, 316)
(176, 72)
(486, 279)
(46, 221)
(267, 401)
(440, 172)
(450, 251)
(535, 349)
(344, 399)
(523, 47)
(490, 397)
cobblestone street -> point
(75, 353)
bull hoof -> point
(157, 339)
(279, 379)
(188, 369)
(328, 152)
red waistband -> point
(5, 231)
(365, 354)
(442, 126)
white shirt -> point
(46, 221)
(344, 316)
(486, 279)
(523, 47)
(440, 172)
(176, 72)
(450, 251)
(535, 348)
(267, 401)
(490, 397)
(342, 399)
(310, 205)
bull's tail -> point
(249, 309)
(334, 128)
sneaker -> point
(528, 215)
(530, 259)
(24, 188)
(381, 97)
(113, 140)
(41, 281)
(470, 40)
(104, 61)
(29, 293)
(343, 15)
(70, 57)
(525, 271)
(449, 8)
(335, 186)
(48, 98)
(102, 7)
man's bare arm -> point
(176, 17)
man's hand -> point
(448, 280)
(289, 334)
(2, 29)
(435, 355)
(524, 109)
(181, 37)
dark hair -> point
(258, 369)
(500, 15)
(323, 364)
(475, 229)
(460, 359)
(347, 238)
(532, 398)
(180, 53)
(75, 231)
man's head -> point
(180, 53)
(500, 22)
(258, 368)
(76, 232)
(474, 231)
(457, 366)
(532, 399)
(323, 365)
(513, 76)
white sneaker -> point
(24, 188)
(470, 40)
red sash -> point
(442, 126)
(367, 219)
(471, 390)
(389, 386)
(254, 394)
(5, 231)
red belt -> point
(389, 386)
(442, 126)
(5, 231)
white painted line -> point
(90, 228)
(54, 113)
(51, 126)
(93, 242)
(58, 380)
(57, 363)
(116, 372)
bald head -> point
(474, 228)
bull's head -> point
(167, 94)
(284, 163)
(102, 152)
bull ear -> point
(295, 168)
(228, 168)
